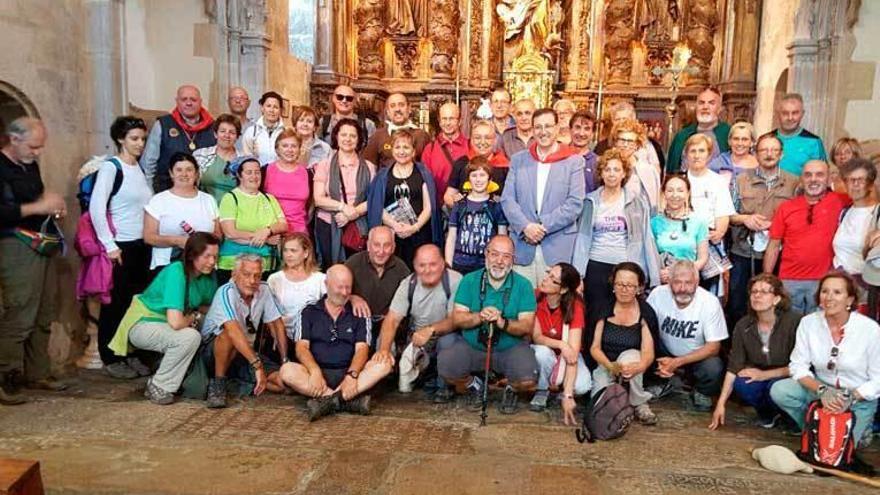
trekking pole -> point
(485, 404)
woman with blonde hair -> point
(843, 151)
(741, 140)
(628, 137)
(298, 283)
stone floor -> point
(102, 437)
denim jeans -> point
(803, 295)
(757, 395)
(794, 399)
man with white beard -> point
(708, 122)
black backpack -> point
(401, 338)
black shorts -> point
(333, 376)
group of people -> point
(324, 256)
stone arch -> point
(779, 91)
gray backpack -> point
(608, 415)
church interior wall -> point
(166, 45)
(777, 31)
(863, 81)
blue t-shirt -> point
(679, 238)
(476, 223)
(798, 149)
(332, 343)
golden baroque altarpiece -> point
(595, 52)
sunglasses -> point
(832, 363)
(251, 328)
(344, 98)
(810, 215)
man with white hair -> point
(233, 344)
(186, 129)
(692, 328)
(708, 115)
(28, 304)
(565, 110)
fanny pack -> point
(49, 241)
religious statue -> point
(531, 18)
(407, 18)
(369, 16)
(702, 22)
(444, 25)
(619, 34)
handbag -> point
(49, 241)
(717, 263)
(352, 238)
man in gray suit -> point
(542, 199)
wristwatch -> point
(352, 373)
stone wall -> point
(777, 31)
(44, 59)
(863, 77)
(287, 74)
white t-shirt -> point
(543, 174)
(126, 208)
(683, 331)
(609, 232)
(710, 196)
(293, 297)
(171, 211)
(850, 238)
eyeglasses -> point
(348, 98)
(498, 254)
(810, 215)
(832, 363)
(251, 328)
(857, 180)
(625, 287)
(627, 141)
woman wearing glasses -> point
(834, 358)
(858, 223)
(623, 343)
(678, 233)
(614, 227)
(628, 137)
(759, 353)
(740, 158)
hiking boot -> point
(49, 384)
(216, 393)
(645, 415)
(121, 371)
(702, 403)
(138, 367)
(322, 406)
(475, 394)
(766, 423)
(443, 395)
(539, 401)
(158, 396)
(358, 405)
(8, 397)
(509, 401)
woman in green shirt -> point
(166, 316)
(252, 221)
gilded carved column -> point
(370, 20)
(619, 34)
(702, 22)
(444, 25)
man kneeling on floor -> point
(423, 302)
(492, 296)
(332, 353)
(230, 332)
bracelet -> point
(256, 364)
(568, 396)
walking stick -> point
(485, 404)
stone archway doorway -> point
(13, 104)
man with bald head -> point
(343, 102)
(332, 353)
(520, 137)
(239, 101)
(494, 296)
(28, 296)
(801, 236)
(186, 129)
(449, 145)
(708, 122)
(377, 271)
(565, 110)
(397, 116)
(423, 302)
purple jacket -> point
(95, 277)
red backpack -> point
(827, 440)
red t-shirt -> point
(807, 252)
(551, 320)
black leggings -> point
(129, 278)
(598, 294)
